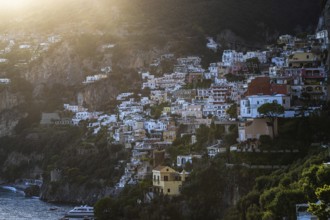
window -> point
(168, 190)
(165, 178)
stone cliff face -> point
(9, 100)
(8, 120)
(9, 115)
(59, 65)
(135, 58)
(98, 95)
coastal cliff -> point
(9, 113)
(72, 193)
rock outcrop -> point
(80, 194)
(9, 114)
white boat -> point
(85, 212)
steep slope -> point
(253, 20)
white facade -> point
(218, 110)
(74, 108)
(145, 101)
(155, 125)
(211, 44)
(192, 111)
(229, 57)
(94, 78)
(83, 115)
(274, 71)
(106, 69)
(249, 106)
(279, 61)
(122, 96)
(183, 159)
(322, 36)
(54, 39)
(4, 81)
(190, 60)
(147, 75)
(24, 46)
(107, 119)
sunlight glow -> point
(14, 4)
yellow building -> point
(303, 59)
(166, 111)
(167, 181)
(169, 136)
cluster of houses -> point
(33, 46)
(103, 75)
(34, 43)
(291, 74)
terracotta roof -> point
(279, 89)
(159, 168)
(259, 85)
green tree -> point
(105, 208)
(322, 208)
(253, 65)
(232, 111)
(234, 78)
(271, 111)
(202, 135)
(265, 141)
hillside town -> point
(291, 73)
(164, 109)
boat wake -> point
(12, 189)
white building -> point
(54, 39)
(192, 111)
(151, 84)
(322, 36)
(218, 110)
(183, 159)
(249, 106)
(122, 96)
(211, 44)
(79, 116)
(279, 61)
(286, 39)
(274, 71)
(155, 125)
(147, 75)
(74, 108)
(24, 46)
(190, 60)
(229, 57)
(106, 69)
(94, 78)
(4, 81)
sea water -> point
(15, 206)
